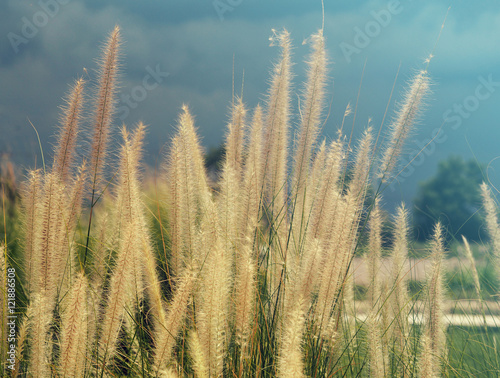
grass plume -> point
(252, 275)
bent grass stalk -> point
(104, 110)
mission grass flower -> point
(256, 277)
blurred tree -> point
(214, 158)
(451, 196)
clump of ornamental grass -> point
(254, 278)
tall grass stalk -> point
(435, 327)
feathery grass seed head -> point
(404, 122)
(104, 106)
(69, 129)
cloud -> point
(188, 40)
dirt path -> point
(416, 269)
(457, 312)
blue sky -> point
(195, 41)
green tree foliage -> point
(452, 196)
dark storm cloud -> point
(188, 40)
(173, 12)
